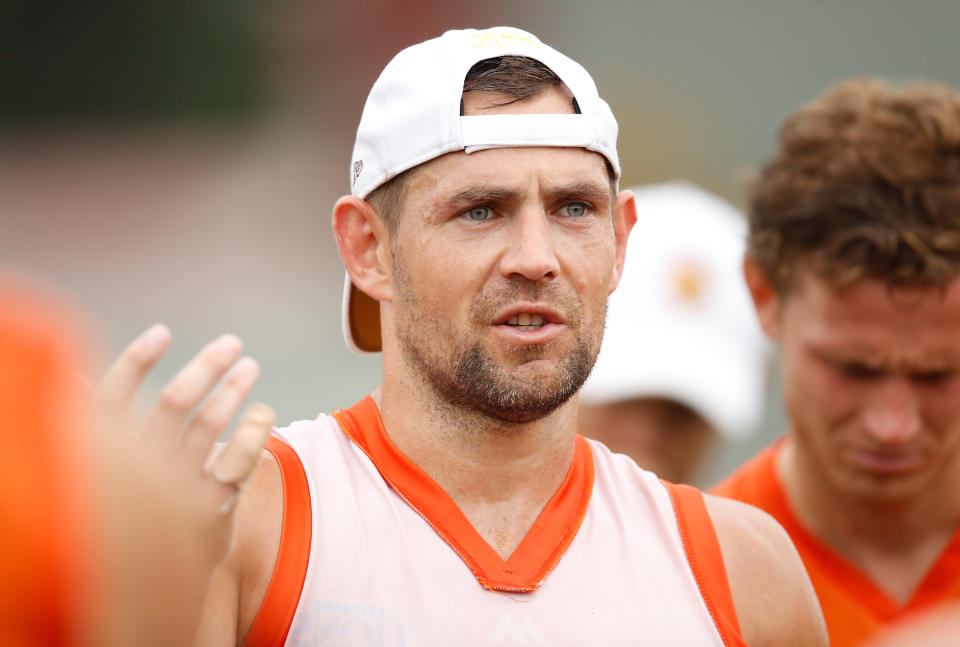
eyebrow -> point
(473, 195)
(940, 364)
(589, 191)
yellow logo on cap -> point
(689, 281)
(501, 40)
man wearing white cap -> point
(683, 360)
(456, 505)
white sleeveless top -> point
(374, 553)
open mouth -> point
(526, 321)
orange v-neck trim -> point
(541, 548)
(939, 581)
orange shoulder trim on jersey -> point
(706, 561)
(543, 544)
(273, 621)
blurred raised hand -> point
(170, 489)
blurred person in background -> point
(853, 263)
(683, 362)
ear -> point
(624, 218)
(362, 238)
(765, 299)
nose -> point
(893, 415)
(531, 251)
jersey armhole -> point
(273, 620)
(702, 548)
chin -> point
(526, 394)
(883, 489)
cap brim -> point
(361, 319)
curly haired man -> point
(853, 262)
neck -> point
(894, 542)
(500, 474)
(473, 457)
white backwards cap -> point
(412, 116)
(680, 324)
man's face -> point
(503, 260)
(872, 385)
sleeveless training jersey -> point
(854, 607)
(616, 557)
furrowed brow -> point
(480, 195)
(587, 191)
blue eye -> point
(478, 214)
(575, 209)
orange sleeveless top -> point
(854, 607)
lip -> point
(548, 331)
(549, 315)
(542, 335)
(887, 463)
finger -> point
(125, 375)
(218, 411)
(189, 386)
(237, 460)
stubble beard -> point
(465, 375)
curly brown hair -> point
(865, 184)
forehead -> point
(508, 169)
(519, 170)
(869, 316)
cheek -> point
(940, 409)
(590, 249)
(816, 396)
(438, 273)
(592, 277)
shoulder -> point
(259, 520)
(240, 582)
(772, 594)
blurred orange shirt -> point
(854, 607)
(42, 492)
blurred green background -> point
(177, 161)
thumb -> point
(237, 460)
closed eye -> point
(857, 371)
(933, 378)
